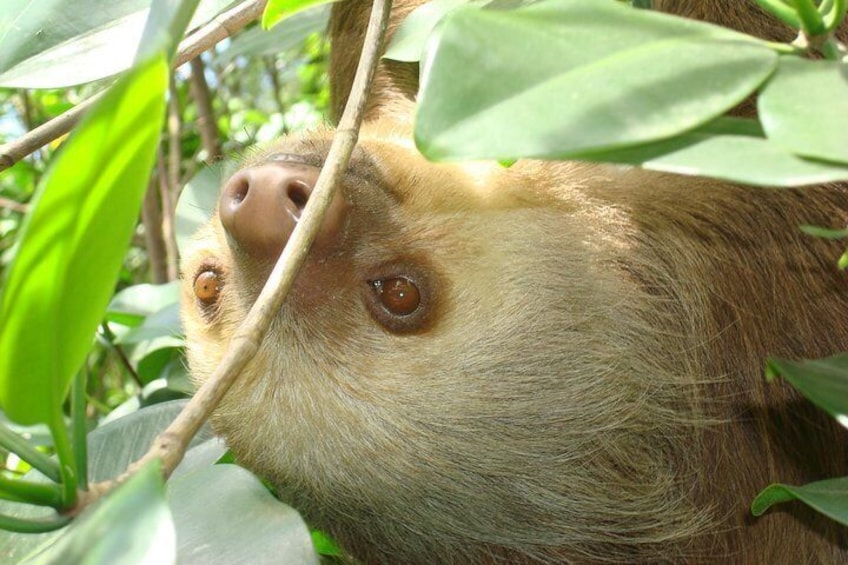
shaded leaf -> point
(198, 201)
(804, 108)
(73, 244)
(53, 43)
(266, 531)
(288, 34)
(162, 323)
(131, 305)
(823, 381)
(562, 78)
(830, 497)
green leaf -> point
(278, 10)
(73, 244)
(564, 77)
(324, 544)
(131, 525)
(204, 503)
(410, 38)
(823, 381)
(804, 108)
(830, 497)
(198, 202)
(131, 305)
(289, 34)
(727, 153)
(165, 26)
(51, 43)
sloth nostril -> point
(298, 193)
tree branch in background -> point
(206, 123)
(171, 444)
(221, 27)
(169, 184)
(151, 218)
(271, 66)
(13, 205)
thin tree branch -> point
(206, 124)
(170, 184)
(151, 218)
(171, 444)
(221, 27)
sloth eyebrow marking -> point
(362, 167)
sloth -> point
(555, 362)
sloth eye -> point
(402, 298)
(207, 286)
(398, 295)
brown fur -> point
(589, 386)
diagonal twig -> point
(171, 444)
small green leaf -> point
(825, 233)
(73, 244)
(278, 10)
(324, 544)
(823, 381)
(842, 264)
(561, 78)
(131, 525)
(804, 108)
(830, 497)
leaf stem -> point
(40, 494)
(781, 11)
(811, 19)
(835, 15)
(22, 526)
(79, 429)
(66, 459)
(22, 448)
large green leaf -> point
(830, 497)
(823, 381)
(56, 43)
(563, 77)
(131, 525)
(266, 531)
(73, 244)
(804, 108)
(723, 150)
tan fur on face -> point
(589, 388)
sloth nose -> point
(260, 207)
